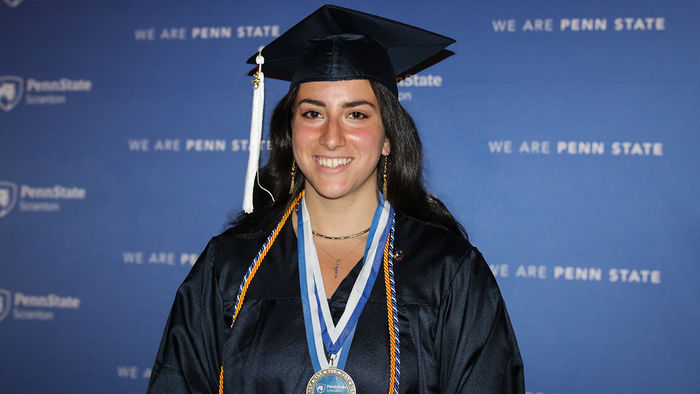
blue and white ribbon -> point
(320, 329)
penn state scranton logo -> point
(8, 197)
(5, 302)
(13, 3)
(11, 89)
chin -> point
(332, 193)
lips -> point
(332, 162)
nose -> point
(332, 136)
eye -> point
(357, 115)
(312, 114)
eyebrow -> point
(312, 102)
(358, 103)
(350, 104)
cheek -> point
(301, 137)
(369, 139)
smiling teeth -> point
(332, 163)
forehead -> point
(328, 91)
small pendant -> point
(337, 268)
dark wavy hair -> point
(405, 189)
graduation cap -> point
(335, 44)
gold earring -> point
(384, 193)
(291, 184)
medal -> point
(331, 380)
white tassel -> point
(256, 124)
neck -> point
(342, 216)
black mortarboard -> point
(335, 43)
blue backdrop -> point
(562, 134)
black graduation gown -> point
(455, 333)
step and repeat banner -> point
(564, 135)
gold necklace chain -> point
(341, 237)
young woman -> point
(349, 276)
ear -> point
(386, 148)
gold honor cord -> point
(261, 255)
(221, 380)
(389, 308)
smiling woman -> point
(372, 286)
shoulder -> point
(434, 261)
(432, 245)
(232, 246)
(244, 238)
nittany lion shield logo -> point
(13, 3)
(5, 303)
(11, 90)
(8, 197)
